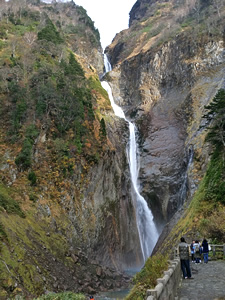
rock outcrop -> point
(67, 221)
(164, 89)
(69, 210)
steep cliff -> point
(169, 64)
(66, 213)
(66, 217)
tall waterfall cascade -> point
(147, 230)
(184, 186)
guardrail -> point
(215, 252)
(167, 285)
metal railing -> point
(167, 286)
(215, 251)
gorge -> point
(77, 205)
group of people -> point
(196, 249)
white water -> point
(148, 233)
(184, 186)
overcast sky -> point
(109, 16)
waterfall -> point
(147, 231)
(184, 186)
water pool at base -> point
(112, 295)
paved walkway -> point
(208, 282)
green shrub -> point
(60, 147)
(216, 119)
(33, 197)
(23, 159)
(95, 84)
(50, 34)
(3, 234)
(2, 44)
(214, 179)
(147, 277)
(9, 204)
(102, 129)
(73, 67)
(216, 226)
(19, 115)
(62, 296)
(32, 177)
(18, 98)
(31, 132)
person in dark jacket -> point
(184, 258)
(205, 250)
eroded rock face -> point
(100, 206)
(164, 92)
(114, 240)
(139, 10)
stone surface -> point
(208, 282)
(164, 92)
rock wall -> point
(164, 91)
(114, 239)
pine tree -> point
(216, 119)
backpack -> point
(197, 248)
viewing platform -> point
(208, 282)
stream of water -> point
(147, 230)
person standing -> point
(184, 258)
(205, 250)
(197, 248)
(192, 251)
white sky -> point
(109, 16)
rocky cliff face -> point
(65, 185)
(67, 221)
(164, 86)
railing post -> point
(152, 293)
(223, 250)
(175, 253)
(214, 250)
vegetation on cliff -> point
(153, 23)
(54, 132)
(52, 110)
(152, 30)
(63, 296)
(147, 277)
(205, 216)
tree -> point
(74, 68)
(102, 129)
(49, 33)
(216, 119)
